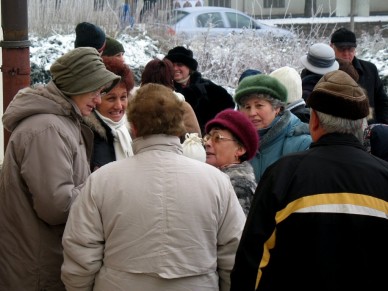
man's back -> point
(330, 231)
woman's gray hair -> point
(332, 124)
(275, 103)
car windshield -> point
(177, 15)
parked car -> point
(218, 21)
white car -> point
(218, 21)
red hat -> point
(240, 126)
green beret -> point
(260, 84)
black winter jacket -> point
(371, 82)
(318, 221)
(206, 98)
(309, 80)
(103, 148)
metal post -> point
(15, 49)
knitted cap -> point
(291, 79)
(81, 71)
(337, 94)
(261, 84)
(240, 126)
(320, 59)
(343, 37)
(89, 35)
(248, 72)
(112, 47)
(182, 55)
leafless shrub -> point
(221, 60)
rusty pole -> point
(15, 49)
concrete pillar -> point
(363, 7)
(343, 8)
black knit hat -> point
(182, 55)
(248, 72)
(112, 47)
(337, 94)
(89, 35)
(343, 37)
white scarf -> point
(122, 140)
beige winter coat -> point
(154, 221)
(45, 162)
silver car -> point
(218, 21)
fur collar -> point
(96, 124)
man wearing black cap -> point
(318, 219)
(344, 43)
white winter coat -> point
(154, 221)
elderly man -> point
(318, 220)
(344, 43)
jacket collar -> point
(161, 142)
(338, 139)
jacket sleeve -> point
(83, 243)
(230, 228)
(47, 168)
(257, 237)
(381, 100)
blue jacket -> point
(287, 134)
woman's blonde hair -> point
(155, 110)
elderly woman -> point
(112, 139)
(45, 165)
(162, 72)
(231, 141)
(262, 99)
(163, 222)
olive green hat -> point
(260, 84)
(112, 47)
(81, 71)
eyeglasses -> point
(99, 93)
(216, 138)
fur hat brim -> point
(184, 59)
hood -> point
(37, 100)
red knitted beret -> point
(240, 126)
